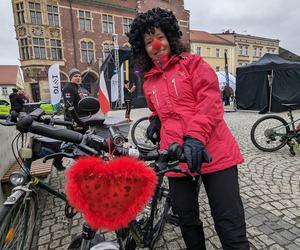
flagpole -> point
(117, 65)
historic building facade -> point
(76, 33)
(212, 48)
(250, 48)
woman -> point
(183, 93)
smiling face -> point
(152, 49)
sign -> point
(54, 84)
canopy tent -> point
(268, 83)
(222, 80)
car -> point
(4, 107)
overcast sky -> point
(277, 19)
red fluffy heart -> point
(109, 194)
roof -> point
(269, 62)
(246, 36)
(8, 74)
(269, 59)
(288, 55)
(205, 37)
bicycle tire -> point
(143, 219)
(163, 208)
(270, 140)
(138, 133)
(17, 223)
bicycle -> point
(272, 132)
(146, 229)
(138, 134)
(19, 213)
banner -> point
(54, 84)
(103, 95)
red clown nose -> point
(156, 44)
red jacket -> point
(185, 94)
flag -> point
(54, 84)
(103, 95)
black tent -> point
(268, 83)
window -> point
(243, 50)
(217, 68)
(217, 52)
(39, 48)
(35, 13)
(198, 50)
(126, 24)
(208, 51)
(56, 51)
(24, 48)
(107, 24)
(254, 51)
(4, 92)
(107, 48)
(260, 52)
(20, 13)
(85, 21)
(53, 19)
(87, 52)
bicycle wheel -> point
(17, 222)
(269, 133)
(138, 134)
(161, 212)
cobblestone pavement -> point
(270, 189)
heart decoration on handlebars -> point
(109, 194)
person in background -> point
(182, 91)
(16, 101)
(73, 92)
(128, 98)
(22, 93)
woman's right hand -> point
(153, 129)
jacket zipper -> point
(174, 84)
(155, 96)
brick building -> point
(76, 33)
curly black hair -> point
(145, 23)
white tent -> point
(222, 80)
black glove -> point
(153, 129)
(195, 153)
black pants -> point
(227, 210)
(128, 108)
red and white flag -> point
(103, 95)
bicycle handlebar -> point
(91, 144)
(27, 124)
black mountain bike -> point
(272, 132)
(146, 229)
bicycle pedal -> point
(173, 219)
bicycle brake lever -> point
(63, 154)
(176, 169)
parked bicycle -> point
(272, 132)
(138, 133)
(142, 232)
